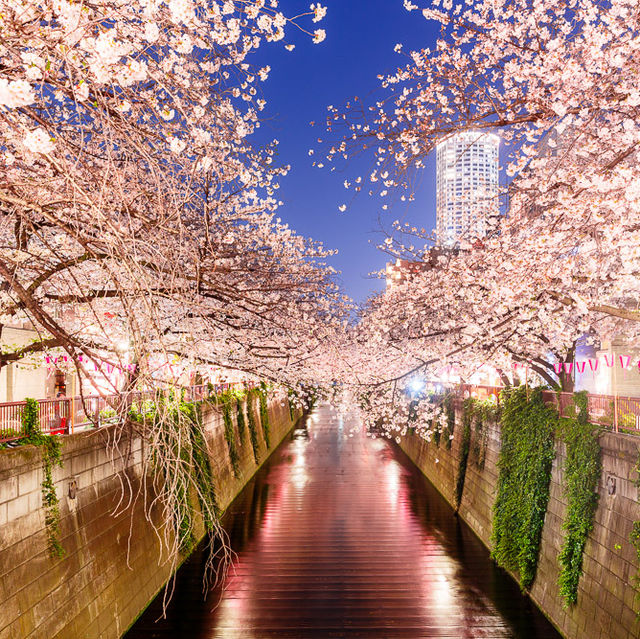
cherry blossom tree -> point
(135, 210)
(559, 82)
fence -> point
(480, 392)
(71, 414)
(621, 414)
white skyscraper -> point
(466, 186)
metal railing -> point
(67, 415)
(480, 392)
(620, 414)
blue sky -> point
(361, 35)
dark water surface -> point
(338, 535)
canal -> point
(338, 535)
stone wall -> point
(605, 607)
(111, 569)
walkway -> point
(339, 536)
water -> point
(339, 535)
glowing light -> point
(416, 385)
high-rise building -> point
(466, 186)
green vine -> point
(264, 414)
(467, 418)
(582, 470)
(291, 397)
(242, 424)
(185, 442)
(435, 426)
(479, 441)
(177, 474)
(230, 435)
(524, 465)
(51, 457)
(450, 412)
(202, 467)
(251, 423)
(484, 412)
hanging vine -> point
(182, 467)
(172, 419)
(202, 467)
(264, 414)
(467, 418)
(526, 456)
(450, 413)
(435, 426)
(484, 413)
(242, 425)
(51, 457)
(291, 399)
(230, 435)
(581, 473)
(251, 424)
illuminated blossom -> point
(38, 141)
(319, 12)
(319, 35)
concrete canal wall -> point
(111, 568)
(605, 606)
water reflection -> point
(339, 536)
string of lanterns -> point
(581, 365)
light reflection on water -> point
(339, 536)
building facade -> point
(466, 186)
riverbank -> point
(112, 565)
(606, 595)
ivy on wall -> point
(177, 473)
(193, 470)
(264, 414)
(581, 473)
(450, 414)
(51, 457)
(291, 395)
(230, 435)
(435, 426)
(467, 418)
(251, 423)
(242, 425)
(190, 468)
(473, 412)
(187, 443)
(202, 466)
(524, 465)
(483, 412)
